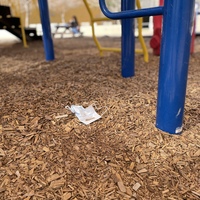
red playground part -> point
(156, 38)
(157, 33)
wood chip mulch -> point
(45, 155)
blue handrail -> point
(130, 13)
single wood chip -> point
(61, 116)
(132, 165)
(117, 178)
(121, 186)
(128, 191)
(165, 191)
(136, 186)
(142, 171)
(196, 193)
(46, 149)
(66, 196)
(53, 177)
(17, 174)
(57, 184)
(68, 128)
(2, 153)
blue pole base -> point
(177, 131)
(174, 62)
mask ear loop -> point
(67, 107)
(106, 109)
(99, 108)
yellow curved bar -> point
(92, 25)
(141, 39)
(101, 49)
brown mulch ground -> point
(120, 156)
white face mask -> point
(85, 115)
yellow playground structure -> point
(102, 49)
(10, 23)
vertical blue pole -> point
(174, 61)
(46, 29)
(128, 41)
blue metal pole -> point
(128, 40)
(175, 52)
(46, 29)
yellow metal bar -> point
(111, 49)
(23, 35)
(22, 27)
(119, 49)
(100, 19)
(96, 40)
(93, 29)
(139, 51)
(141, 39)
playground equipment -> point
(155, 41)
(47, 37)
(175, 52)
(100, 48)
(14, 25)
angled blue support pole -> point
(175, 52)
(46, 29)
(128, 41)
